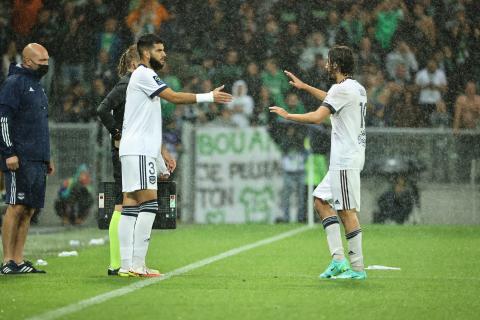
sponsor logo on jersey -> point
(157, 80)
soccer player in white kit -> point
(339, 191)
(139, 149)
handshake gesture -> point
(221, 97)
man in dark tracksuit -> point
(25, 153)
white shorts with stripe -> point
(138, 173)
(341, 188)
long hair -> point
(342, 57)
(126, 59)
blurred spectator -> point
(366, 57)
(172, 139)
(397, 203)
(247, 17)
(353, 26)
(459, 35)
(105, 69)
(75, 106)
(147, 18)
(432, 83)
(241, 105)
(378, 92)
(315, 46)
(271, 37)
(75, 198)
(109, 41)
(467, 116)
(229, 40)
(333, 29)
(388, 14)
(46, 33)
(10, 56)
(467, 109)
(98, 93)
(275, 81)
(230, 71)
(292, 43)
(261, 115)
(24, 16)
(402, 55)
(406, 110)
(75, 51)
(174, 83)
(424, 32)
(293, 104)
(287, 11)
(252, 78)
(251, 47)
(317, 75)
(95, 13)
(293, 165)
(6, 33)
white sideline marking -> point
(78, 306)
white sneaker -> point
(146, 272)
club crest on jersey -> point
(153, 179)
(157, 80)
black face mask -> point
(42, 70)
(155, 64)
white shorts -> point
(341, 188)
(138, 173)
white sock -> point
(142, 232)
(334, 238)
(355, 253)
(126, 225)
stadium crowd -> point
(414, 57)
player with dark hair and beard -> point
(339, 191)
(139, 149)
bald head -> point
(33, 55)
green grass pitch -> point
(439, 277)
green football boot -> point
(352, 274)
(335, 268)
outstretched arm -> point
(299, 84)
(315, 117)
(216, 95)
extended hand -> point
(221, 97)
(171, 164)
(294, 81)
(280, 111)
(12, 163)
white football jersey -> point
(142, 121)
(347, 102)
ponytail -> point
(126, 59)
